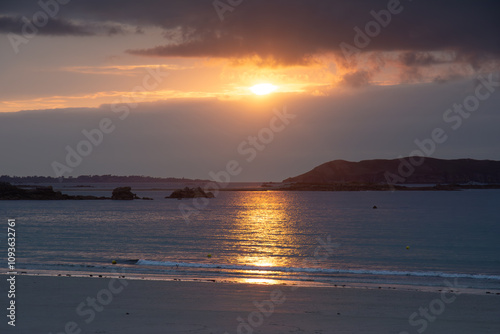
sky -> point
(164, 88)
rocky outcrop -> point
(10, 192)
(124, 194)
(403, 171)
(190, 193)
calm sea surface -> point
(269, 237)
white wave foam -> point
(318, 270)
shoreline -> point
(452, 285)
(51, 304)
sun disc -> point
(263, 89)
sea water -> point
(411, 238)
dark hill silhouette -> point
(402, 171)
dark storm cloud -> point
(422, 59)
(58, 27)
(292, 31)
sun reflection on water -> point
(260, 281)
(264, 230)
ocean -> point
(413, 239)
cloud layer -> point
(421, 40)
(183, 138)
(290, 32)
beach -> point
(119, 306)
(258, 262)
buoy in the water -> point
(209, 255)
(407, 247)
(375, 207)
(113, 262)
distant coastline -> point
(355, 186)
(404, 174)
(85, 179)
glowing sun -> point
(263, 89)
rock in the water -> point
(191, 193)
(10, 192)
(124, 194)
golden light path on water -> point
(265, 231)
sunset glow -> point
(189, 86)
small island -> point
(191, 193)
(47, 193)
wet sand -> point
(97, 305)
